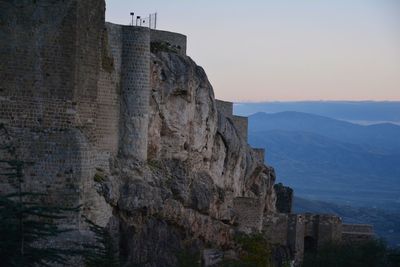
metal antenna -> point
(132, 14)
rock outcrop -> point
(182, 198)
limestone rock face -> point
(182, 198)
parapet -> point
(356, 233)
(361, 228)
(225, 108)
(176, 40)
(249, 213)
(241, 123)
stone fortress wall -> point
(241, 123)
(305, 232)
(355, 233)
(135, 91)
(64, 89)
(48, 95)
(225, 108)
(249, 213)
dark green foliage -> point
(186, 258)
(25, 227)
(256, 252)
(26, 224)
(103, 252)
(163, 47)
(369, 254)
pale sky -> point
(267, 50)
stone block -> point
(249, 214)
(224, 107)
(241, 124)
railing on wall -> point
(150, 21)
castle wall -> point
(34, 59)
(329, 229)
(296, 233)
(356, 233)
(135, 91)
(176, 40)
(241, 124)
(361, 228)
(87, 52)
(249, 213)
(50, 67)
(225, 108)
(275, 228)
(108, 96)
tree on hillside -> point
(103, 252)
(26, 223)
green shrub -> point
(256, 252)
(163, 47)
(186, 258)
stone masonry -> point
(82, 98)
(135, 81)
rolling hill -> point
(332, 160)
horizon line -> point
(302, 101)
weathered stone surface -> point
(133, 137)
(197, 165)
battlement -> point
(225, 108)
(359, 228)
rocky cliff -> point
(182, 198)
(131, 134)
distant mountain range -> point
(332, 160)
(363, 112)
